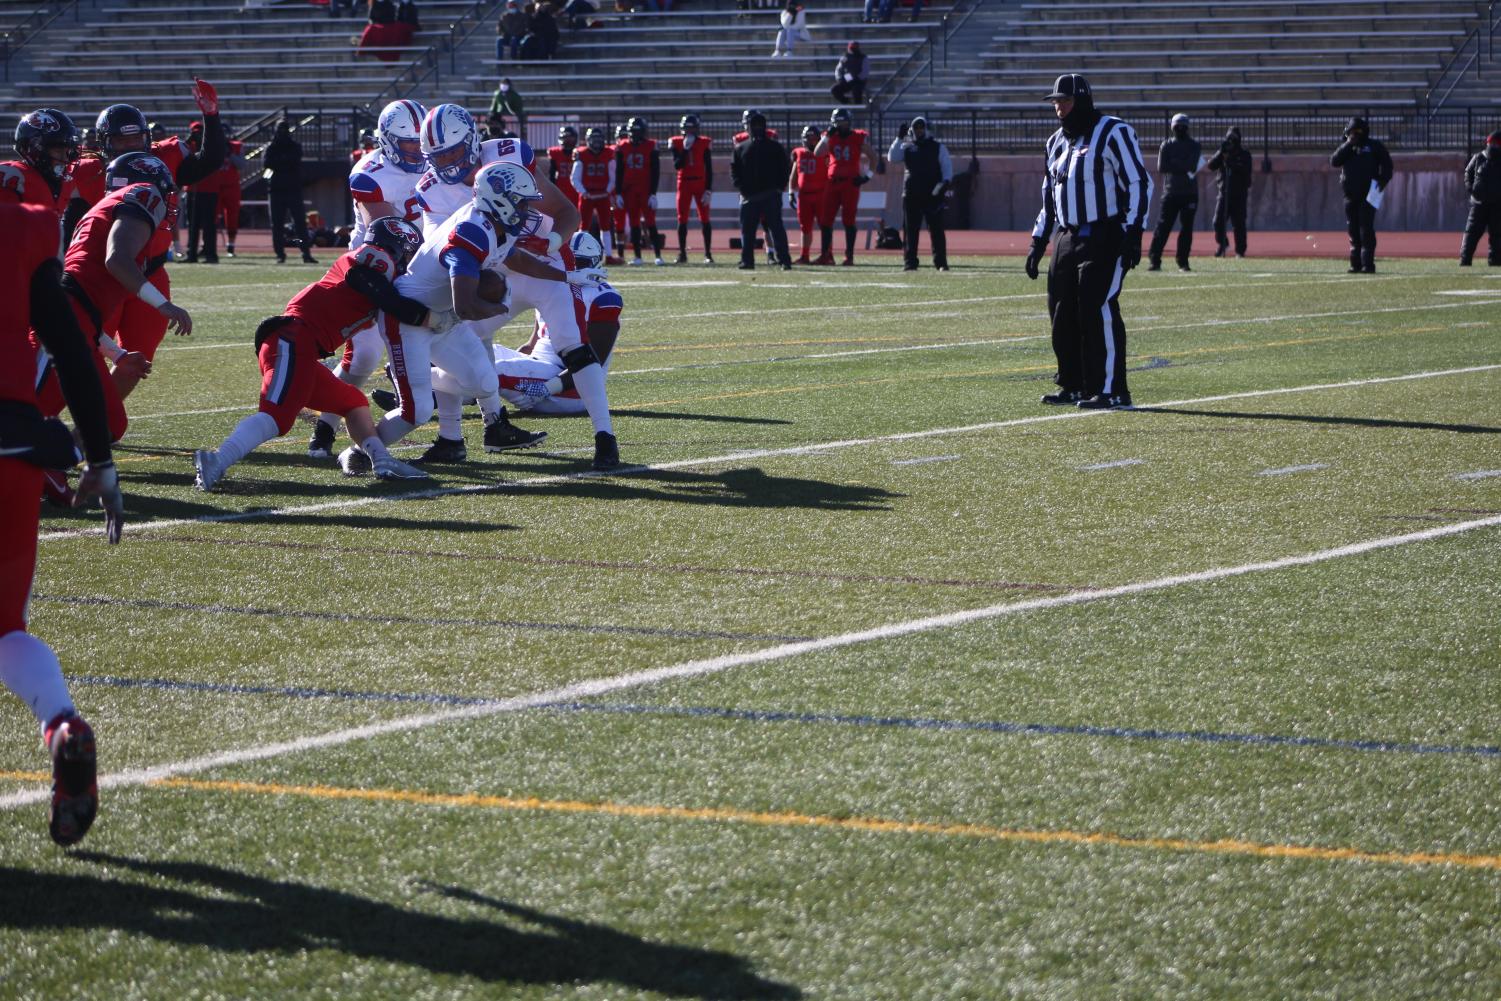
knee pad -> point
(579, 358)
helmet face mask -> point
(636, 129)
(689, 125)
(811, 136)
(595, 138)
(48, 140)
(587, 251)
(398, 130)
(568, 136)
(450, 143)
(622, 133)
(143, 168)
(504, 192)
(840, 120)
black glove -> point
(1131, 252)
(1039, 247)
(862, 179)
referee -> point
(1095, 193)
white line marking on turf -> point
(1465, 291)
(716, 665)
(765, 453)
(925, 459)
(1310, 467)
(1112, 465)
(1479, 474)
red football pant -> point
(229, 207)
(637, 210)
(292, 378)
(809, 204)
(597, 209)
(20, 512)
(841, 196)
(49, 392)
(138, 326)
(698, 199)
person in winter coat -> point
(849, 76)
(1365, 169)
(1483, 182)
(794, 29)
(1233, 165)
(1178, 162)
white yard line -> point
(1118, 463)
(740, 456)
(1285, 470)
(1481, 474)
(716, 665)
(925, 460)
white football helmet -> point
(502, 191)
(587, 252)
(399, 132)
(450, 142)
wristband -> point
(109, 348)
(151, 296)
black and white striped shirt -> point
(1097, 176)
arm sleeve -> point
(72, 216)
(56, 327)
(1138, 181)
(379, 290)
(945, 164)
(1342, 154)
(610, 187)
(656, 170)
(1047, 221)
(576, 176)
(1471, 169)
(1384, 168)
(708, 171)
(198, 166)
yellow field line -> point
(862, 824)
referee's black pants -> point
(1361, 218)
(917, 207)
(762, 210)
(203, 226)
(1174, 208)
(1084, 287)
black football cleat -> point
(503, 436)
(385, 399)
(1106, 401)
(606, 451)
(321, 444)
(443, 450)
(75, 789)
(1063, 398)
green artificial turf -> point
(1276, 784)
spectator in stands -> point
(930, 172)
(1483, 182)
(879, 11)
(203, 209)
(507, 101)
(510, 30)
(544, 23)
(406, 13)
(849, 76)
(1233, 165)
(336, 7)
(1178, 160)
(576, 11)
(794, 29)
(381, 12)
(1365, 169)
(759, 170)
(284, 180)
(384, 31)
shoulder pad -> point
(364, 187)
(148, 199)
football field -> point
(869, 678)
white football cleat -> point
(634, 262)
(354, 462)
(208, 467)
(389, 467)
(661, 263)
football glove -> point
(1039, 247)
(586, 276)
(205, 96)
(792, 199)
(862, 179)
(534, 388)
(1131, 252)
(102, 481)
(440, 321)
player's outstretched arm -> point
(127, 238)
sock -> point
(591, 386)
(249, 434)
(826, 241)
(490, 406)
(708, 239)
(29, 668)
(450, 415)
(683, 238)
(604, 238)
(375, 448)
(849, 241)
(636, 240)
(393, 427)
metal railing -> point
(931, 53)
(36, 22)
(1477, 49)
(427, 64)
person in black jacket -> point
(284, 170)
(1233, 165)
(1483, 182)
(759, 170)
(930, 173)
(1365, 171)
(1178, 162)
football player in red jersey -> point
(638, 171)
(123, 129)
(850, 165)
(228, 179)
(47, 145)
(560, 161)
(810, 176)
(104, 266)
(30, 286)
(594, 179)
(690, 157)
(617, 214)
(317, 322)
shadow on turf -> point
(671, 415)
(746, 487)
(241, 913)
(1364, 422)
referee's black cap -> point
(1069, 85)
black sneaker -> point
(321, 444)
(503, 436)
(443, 450)
(606, 451)
(1106, 401)
(1183, 266)
(1064, 397)
(385, 399)
(1155, 266)
(1221, 251)
(309, 259)
(682, 257)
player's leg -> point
(826, 213)
(911, 229)
(362, 355)
(849, 206)
(1063, 309)
(562, 309)
(702, 201)
(936, 233)
(649, 223)
(634, 203)
(409, 349)
(684, 199)
(1160, 234)
(287, 361)
(1186, 231)
(807, 216)
(461, 354)
(141, 326)
(328, 393)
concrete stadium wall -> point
(1300, 193)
